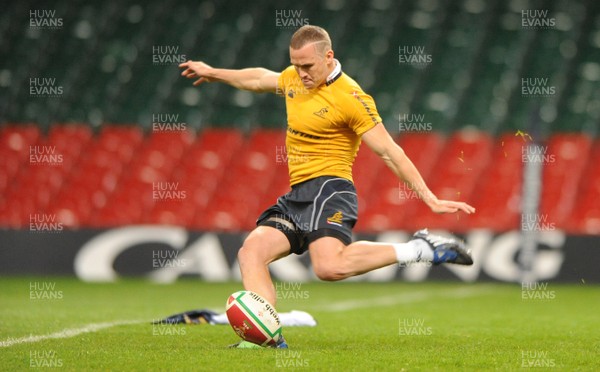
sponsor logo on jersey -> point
(321, 113)
(302, 134)
(367, 108)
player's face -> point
(312, 67)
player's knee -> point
(249, 251)
(254, 250)
(329, 272)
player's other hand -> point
(448, 206)
(196, 70)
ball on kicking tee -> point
(253, 318)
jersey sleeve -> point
(363, 113)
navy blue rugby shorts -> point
(322, 206)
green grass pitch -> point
(64, 324)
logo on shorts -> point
(336, 219)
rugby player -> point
(327, 116)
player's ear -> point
(329, 55)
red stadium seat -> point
(464, 157)
(171, 144)
(563, 166)
(423, 149)
(497, 197)
(171, 212)
(18, 137)
(71, 212)
(391, 201)
(70, 139)
(365, 171)
(121, 140)
(214, 148)
(15, 145)
(226, 214)
(585, 216)
(108, 179)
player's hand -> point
(196, 70)
(448, 206)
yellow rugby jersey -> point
(324, 124)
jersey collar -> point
(335, 74)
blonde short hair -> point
(311, 34)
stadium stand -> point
(227, 160)
(225, 179)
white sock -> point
(413, 251)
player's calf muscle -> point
(333, 267)
(355, 259)
(331, 273)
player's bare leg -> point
(333, 260)
(264, 245)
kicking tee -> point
(324, 124)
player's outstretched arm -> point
(380, 141)
(255, 79)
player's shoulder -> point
(288, 77)
(289, 72)
(349, 89)
(347, 82)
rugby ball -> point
(253, 318)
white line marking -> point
(67, 333)
(405, 298)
